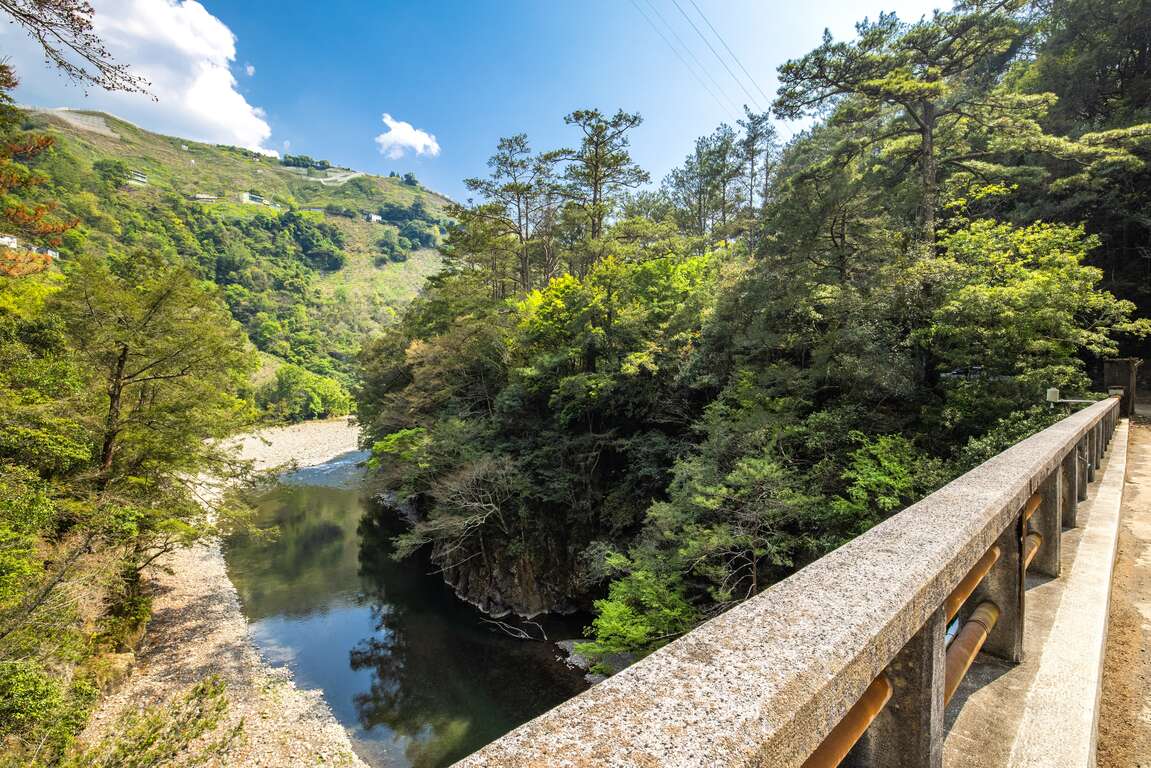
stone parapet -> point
(765, 683)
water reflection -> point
(414, 673)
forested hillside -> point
(663, 399)
(289, 241)
(139, 326)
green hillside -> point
(188, 167)
(300, 264)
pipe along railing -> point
(960, 653)
(853, 659)
(963, 643)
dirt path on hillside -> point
(1125, 711)
(197, 629)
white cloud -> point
(186, 54)
(401, 137)
(250, 70)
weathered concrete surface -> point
(1043, 712)
(1125, 715)
(763, 683)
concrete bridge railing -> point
(852, 652)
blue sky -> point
(320, 76)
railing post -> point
(1092, 450)
(1069, 488)
(1005, 586)
(1048, 521)
(908, 733)
(1099, 445)
(1081, 469)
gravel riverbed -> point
(198, 629)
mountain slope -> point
(311, 261)
(189, 167)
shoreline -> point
(198, 628)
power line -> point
(679, 56)
(735, 58)
(687, 48)
(715, 53)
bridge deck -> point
(1125, 715)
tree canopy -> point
(660, 401)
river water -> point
(415, 675)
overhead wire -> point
(715, 53)
(679, 56)
(730, 52)
(734, 107)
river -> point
(417, 677)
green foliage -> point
(164, 348)
(1005, 433)
(121, 374)
(404, 445)
(1018, 310)
(121, 369)
(298, 394)
(303, 161)
(190, 731)
(531, 427)
(29, 697)
(642, 610)
(305, 284)
(884, 475)
(114, 173)
(25, 511)
(670, 400)
(39, 713)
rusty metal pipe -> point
(843, 736)
(1032, 505)
(1031, 547)
(963, 591)
(966, 646)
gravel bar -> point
(198, 629)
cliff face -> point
(500, 582)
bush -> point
(298, 394)
(25, 511)
(39, 715)
(113, 173)
(391, 246)
(29, 696)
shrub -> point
(186, 732)
(298, 394)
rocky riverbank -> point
(198, 629)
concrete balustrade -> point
(765, 683)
